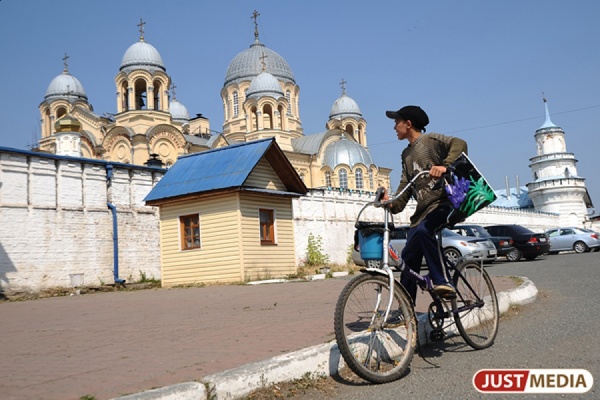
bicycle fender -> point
(379, 271)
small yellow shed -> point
(226, 215)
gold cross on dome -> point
(65, 62)
(343, 85)
(254, 16)
(141, 25)
(262, 61)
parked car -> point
(455, 246)
(598, 237)
(527, 243)
(570, 238)
(504, 244)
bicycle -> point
(375, 321)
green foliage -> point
(314, 251)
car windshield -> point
(479, 231)
(447, 232)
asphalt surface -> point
(113, 344)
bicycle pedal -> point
(437, 335)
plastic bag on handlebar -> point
(467, 189)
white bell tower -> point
(556, 186)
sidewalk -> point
(234, 338)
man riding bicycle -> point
(432, 152)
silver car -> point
(572, 239)
(454, 245)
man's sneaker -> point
(444, 290)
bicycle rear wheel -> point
(376, 350)
(478, 315)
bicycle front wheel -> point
(476, 305)
(376, 349)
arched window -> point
(289, 99)
(124, 97)
(358, 176)
(343, 174)
(236, 105)
(140, 95)
(268, 117)
(371, 184)
(327, 178)
(157, 87)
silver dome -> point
(178, 111)
(264, 84)
(142, 55)
(247, 65)
(345, 107)
(65, 85)
(348, 152)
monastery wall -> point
(55, 224)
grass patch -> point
(309, 383)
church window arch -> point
(328, 179)
(267, 117)
(60, 112)
(289, 99)
(371, 183)
(158, 88)
(124, 97)
(358, 178)
(236, 104)
(140, 94)
(343, 175)
(254, 119)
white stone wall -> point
(55, 222)
(332, 214)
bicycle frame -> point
(424, 282)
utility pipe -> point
(113, 209)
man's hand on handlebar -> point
(437, 171)
(382, 198)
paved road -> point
(559, 330)
(112, 344)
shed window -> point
(190, 231)
(267, 226)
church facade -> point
(260, 99)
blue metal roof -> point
(217, 169)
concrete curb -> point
(324, 359)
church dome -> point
(178, 111)
(345, 107)
(65, 85)
(264, 84)
(346, 152)
(142, 55)
(247, 64)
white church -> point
(73, 210)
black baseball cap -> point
(414, 114)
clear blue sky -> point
(477, 67)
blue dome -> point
(264, 84)
(65, 85)
(247, 65)
(345, 107)
(142, 55)
(348, 152)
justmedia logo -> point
(533, 380)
